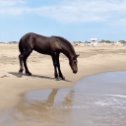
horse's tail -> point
(20, 46)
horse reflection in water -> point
(52, 46)
(48, 110)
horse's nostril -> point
(75, 71)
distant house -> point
(117, 43)
(94, 41)
(13, 42)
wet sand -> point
(98, 100)
(17, 109)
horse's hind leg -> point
(25, 56)
(21, 63)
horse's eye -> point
(75, 62)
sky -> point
(75, 20)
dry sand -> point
(92, 60)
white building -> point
(94, 41)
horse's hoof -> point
(28, 74)
(21, 71)
(60, 78)
(63, 78)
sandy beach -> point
(92, 60)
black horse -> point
(52, 46)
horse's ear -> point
(77, 55)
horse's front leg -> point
(55, 64)
(60, 73)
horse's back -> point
(43, 44)
(32, 38)
(39, 43)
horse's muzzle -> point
(75, 71)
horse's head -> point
(73, 63)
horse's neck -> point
(68, 53)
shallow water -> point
(99, 100)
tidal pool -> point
(98, 100)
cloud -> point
(5, 3)
(11, 7)
(70, 11)
(76, 11)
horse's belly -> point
(43, 51)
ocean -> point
(98, 100)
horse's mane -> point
(66, 43)
(61, 38)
